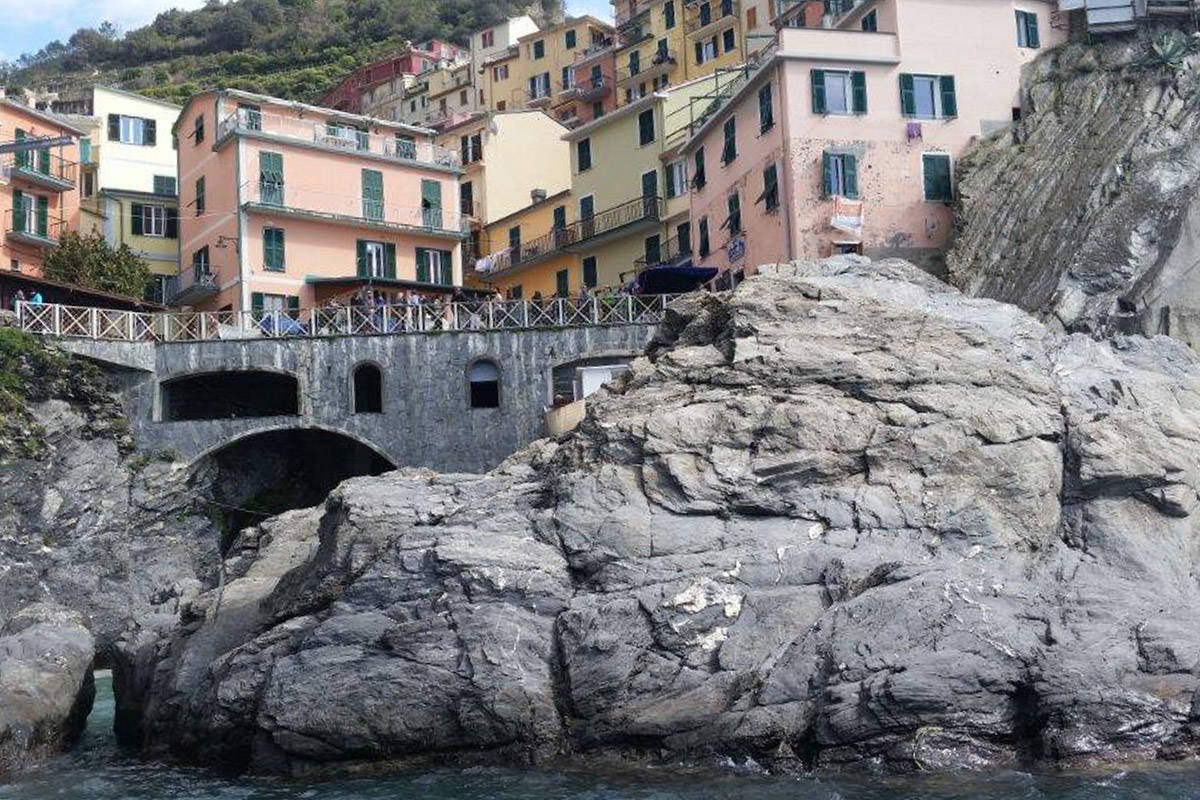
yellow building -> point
(539, 68)
(713, 31)
(652, 53)
(525, 255)
(631, 186)
(128, 187)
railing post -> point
(387, 328)
(129, 325)
(524, 313)
(629, 307)
(93, 318)
(562, 319)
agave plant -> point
(1170, 49)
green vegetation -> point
(89, 260)
(295, 49)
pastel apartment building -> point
(39, 195)
(526, 256)
(286, 205)
(844, 139)
(127, 185)
(359, 90)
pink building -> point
(285, 205)
(845, 138)
(592, 94)
(347, 95)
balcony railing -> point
(660, 62)
(34, 228)
(337, 136)
(717, 12)
(589, 89)
(640, 209)
(194, 284)
(319, 202)
(429, 317)
(630, 10)
(594, 49)
(669, 254)
(43, 168)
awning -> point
(70, 294)
(674, 280)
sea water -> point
(97, 770)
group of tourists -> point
(34, 299)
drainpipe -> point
(785, 156)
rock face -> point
(82, 523)
(46, 687)
(1091, 218)
(844, 513)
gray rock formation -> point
(1091, 216)
(46, 687)
(844, 513)
(83, 523)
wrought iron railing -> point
(669, 253)
(627, 213)
(41, 163)
(33, 225)
(321, 202)
(430, 317)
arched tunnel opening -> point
(268, 473)
(229, 395)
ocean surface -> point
(97, 771)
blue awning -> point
(675, 279)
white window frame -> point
(374, 254)
(677, 177)
(29, 201)
(154, 221)
(436, 268)
(950, 159)
(708, 51)
(847, 95)
(274, 303)
(935, 84)
(133, 130)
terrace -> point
(352, 210)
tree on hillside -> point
(92, 262)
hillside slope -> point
(289, 48)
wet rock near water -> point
(46, 686)
(843, 513)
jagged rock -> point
(844, 513)
(1089, 217)
(46, 686)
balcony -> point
(629, 217)
(708, 16)
(30, 227)
(669, 254)
(525, 254)
(840, 45)
(43, 169)
(594, 49)
(661, 63)
(589, 89)
(342, 138)
(196, 285)
(354, 211)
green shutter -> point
(850, 176)
(293, 304)
(361, 249)
(256, 302)
(44, 161)
(1035, 39)
(422, 265)
(938, 185)
(135, 219)
(818, 91)
(827, 174)
(949, 97)
(18, 211)
(273, 248)
(372, 194)
(22, 159)
(389, 260)
(908, 96)
(431, 203)
(447, 268)
(172, 223)
(858, 84)
(43, 214)
(114, 128)
(151, 132)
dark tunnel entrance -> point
(229, 395)
(269, 473)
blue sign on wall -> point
(736, 249)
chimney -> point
(537, 195)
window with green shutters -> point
(570, 39)
(164, 185)
(838, 91)
(375, 259)
(200, 199)
(928, 96)
(431, 204)
(583, 150)
(250, 116)
(734, 221)
(937, 176)
(43, 216)
(273, 253)
(1027, 30)
(770, 192)
(589, 271)
(20, 211)
(270, 178)
(702, 233)
(669, 14)
(539, 49)
(766, 110)
(729, 149)
(698, 178)
(646, 127)
(372, 194)
(562, 283)
(21, 159)
(840, 175)
(434, 266)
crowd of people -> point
(34, 299)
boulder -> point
(46, 686)
(842, 513)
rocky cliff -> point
(83, 522)
(1088, 216)
(844, 513)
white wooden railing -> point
(431, 317)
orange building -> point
(285, 205)
(39, 196)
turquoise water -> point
(97, 771)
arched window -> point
(368, 389)
(484, 377)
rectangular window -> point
(702, 233)
(677, 178)
(200, 263)
(133, 130)
(652, 250)
(568, 77)
(751, 18)
(431, 204)
(500, 73)
(434, 266)
(471, 147)
(728, 40)
(646, 127)
(770, 192)
(635, 62)
(89, 184)
(766, 110)
(589, 271)
(650, 184)
(539, 48)
(729, 149)
(838, 92)
(734, 220)
(250, 116)
(1027, 30)
(840, 172)
(164, 185)
(597, 110)
(937, 177)
(870, 22)
(372, 259)
(683, 235)
(406, 146)
(466, 199)
(584, 153)
(154, 221)
(487, 39)
(669, 14)
(199, 197)
(705, 14)
(198, 129)
(570, 40)
(372, 194)
(928, 96)
(698, 177)
(273, 249)
(562, 283)
(270, 178)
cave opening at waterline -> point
(268, 473)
